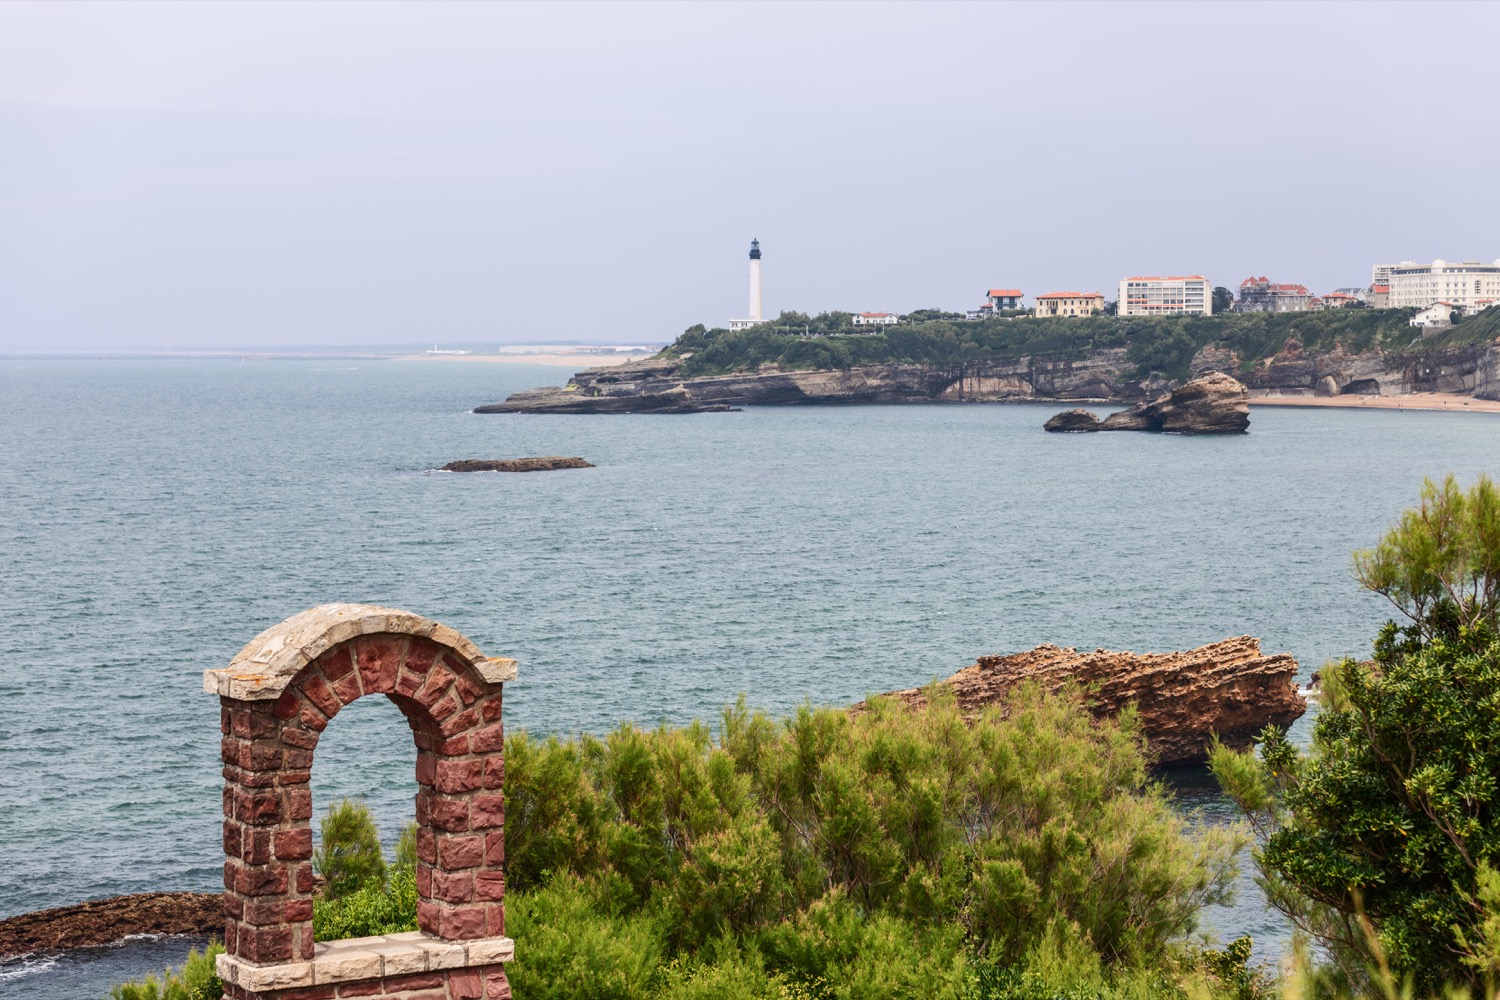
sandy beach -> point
(575, 360)
(1409, 401)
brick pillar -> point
(268, 876)
(276, 698)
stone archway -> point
(276, 697)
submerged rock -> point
(1226, 687)
(544, 463)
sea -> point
(157, 514)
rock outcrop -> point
(1226, 687)
(1213, 404)
(542, 463)
(1069, 421)
(104, 921)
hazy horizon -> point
(208, 175)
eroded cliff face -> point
(1299, 372)
(657, 386)
(1106, 376)
(1226, 687)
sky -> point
(177, 175)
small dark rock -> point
(545, 463)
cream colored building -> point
(1069, 304)
(1176, 295)
(1468, 286)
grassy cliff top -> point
(1163, 345)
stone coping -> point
(358, 959)
(262, 670)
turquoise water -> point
(158, 514)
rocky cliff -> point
(1104, 376)
(656, 386)
(1226, 687)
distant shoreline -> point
(1450, 401)
(573, 361)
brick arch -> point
(277, 696)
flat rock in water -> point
(104, 921)
(544, 463)
(1228, 687)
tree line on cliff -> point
(1161, 345)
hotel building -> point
(1177, 295)
(1468, 286)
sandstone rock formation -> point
(1071, 421)
(543, 463)
(1226, 687)
(1213, 404)
(104, 921)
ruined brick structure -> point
(276, 697)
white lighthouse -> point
(757, 315)
(755, 307)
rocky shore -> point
(657, 385)
(1227, 687)
(103, 921)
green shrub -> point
(196, 980)
(576, 949)
(1381, 840)
(1031, 821)
(379, 906)
(348, 854)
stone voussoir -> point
(264, 667)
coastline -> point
(1450, 401)
(537, 358)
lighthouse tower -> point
(756, 315)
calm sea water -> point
(155, 515)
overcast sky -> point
(219, 174)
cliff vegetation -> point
(1156, 345)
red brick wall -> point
(268, 750)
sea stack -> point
(1214, 404)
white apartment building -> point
(1171, 296)
(1468, 286)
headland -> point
(1348, 355)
